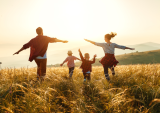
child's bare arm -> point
(90, 41)
(94, 58)
(80, 54)
(63, 62)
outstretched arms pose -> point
(63, 41)
(19, 51)
(55, 40)
(95, 42)
(82, 58)
(67, 60)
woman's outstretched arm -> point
(129, 48)
(123, 47)
(90, 41)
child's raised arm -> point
(94, 58)
(80, 54)
(90, 41)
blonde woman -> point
(109, 60)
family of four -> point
(39, 44)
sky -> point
(134, 21)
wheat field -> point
(134, 89)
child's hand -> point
(95, 55)
(61, 64)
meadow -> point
(134, 89)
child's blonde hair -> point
(86, 55)
(111, 35)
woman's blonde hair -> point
(111, 35)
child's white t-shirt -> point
(109, 48)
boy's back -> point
(87, 65)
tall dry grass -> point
(134, 89)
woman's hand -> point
(86, 40)
(89, 41)
(132, 48)
(65, 41)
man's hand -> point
(19, 51)
(95, 55)
(79, 50)
(65, 41)
(16, 53)
(61, 64)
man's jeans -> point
(41, 67)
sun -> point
(76, 19)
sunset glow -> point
(134, 22)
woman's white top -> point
(109, 47)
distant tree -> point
(0, 64)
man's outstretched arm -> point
(94, 59)
(19, 51)
(64, 41)
(57, 40)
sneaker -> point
(108, 78)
